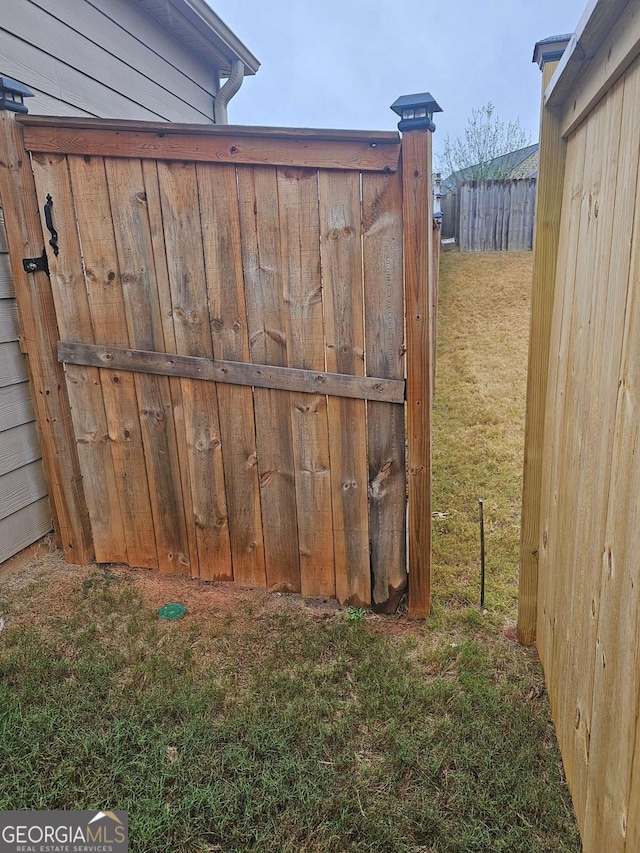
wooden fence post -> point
(39, 339)
(545, 252)
(417, 126)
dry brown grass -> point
(479, 425)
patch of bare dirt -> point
(45, 585)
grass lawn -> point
(266, 723)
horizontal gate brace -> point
(233, 372)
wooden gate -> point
(231, 315)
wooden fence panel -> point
(586, 510)
(233, 333)
(492, 216)
(613, 724)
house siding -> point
(108, 59)
(25, 514)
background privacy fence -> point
(580, 567)
(229, 306)
(491, 216)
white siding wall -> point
(105, 58)
(24, 508)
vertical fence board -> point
(342, 287)
(548, 203)
(300, 247)
(588, 457)
(145, 331)
(228, 322)
(616, 599)
(185, 264)
(382, 257)
(106, 305)
(260, 237)
(161, 273)
(561, 538)
(602, 340)
(51, 173)
(39, 339)
(551, 625)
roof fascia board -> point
(198, 26)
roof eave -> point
(198, 26)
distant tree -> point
(485, 139)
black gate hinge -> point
(40, 264)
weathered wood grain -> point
(417, 199)
(83, 384)
(302, 288)
(233, 372)
(145, 330)
(343, 297)
(108, 322)
(190, 318)
(262, 269)
(172, 143)
(40, 336)
(384, 351)
(219, 219)
(374, 138)
(156, 234)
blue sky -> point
(341, 63)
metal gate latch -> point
(40, 264)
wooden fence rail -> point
(229, 306)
